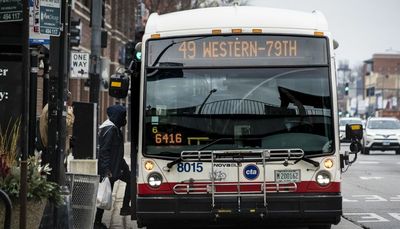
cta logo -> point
(251, 172)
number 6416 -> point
(168, 138)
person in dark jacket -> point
(111, 161)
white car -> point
(382, 134)
(342, 125)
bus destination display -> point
(238, 49)
(235, 50)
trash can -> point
(83, 188)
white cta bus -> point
(237, 119)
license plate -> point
(386, 143)
(282, 176)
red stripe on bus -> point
(302, 187)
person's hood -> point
(117, 115)
(106, 123)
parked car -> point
(382, 134)
(342, 126)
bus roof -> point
(244, 17)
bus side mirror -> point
(335, 44)
(354, 133)
(119, 86)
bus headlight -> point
(154, 180)
(323, 178)
(149, 165)
(328, 163)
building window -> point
(87, 3)
(370, 91)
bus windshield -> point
(248, 108)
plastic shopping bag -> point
(104, 195)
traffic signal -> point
(131, 54)
(138, 55)
(75, 32)
(346, 89)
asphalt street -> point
(371, 193)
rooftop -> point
(236, 17)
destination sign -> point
(234, 50)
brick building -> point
(119, 22)
(382, 83)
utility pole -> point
(25, 119)
(57, 110)
(95, 65)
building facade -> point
(382, 84)
(119, 22)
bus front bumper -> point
(297, 209)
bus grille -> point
(257, 155)
(234, 189)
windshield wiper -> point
(308, 160)
(214, 142)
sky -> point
(362, 27)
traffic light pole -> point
(57, 110)
(95, 66)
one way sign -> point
(79, 65)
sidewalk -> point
(112, 218)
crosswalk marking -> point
(348, 200)
(368, 217)
(370, 198)
(371, 178)
(397, 198)
(395, 215)
(368, 162)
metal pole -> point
(62, 92)
(25, 117)
(32, 98)
(46, 70)
(397, 92)
(135, 103)
(57, 109)
(95, 65)
(94, 72)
